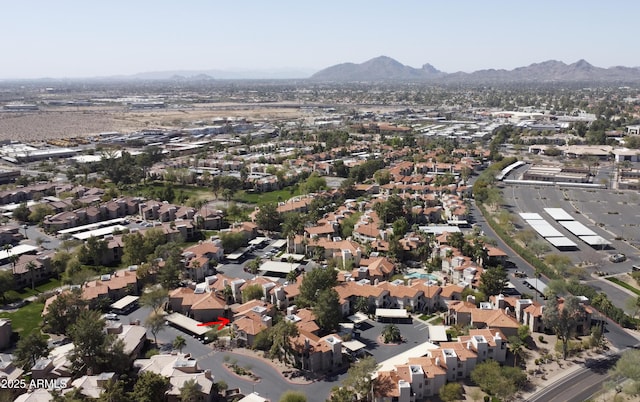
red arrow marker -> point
(220, 323)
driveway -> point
(271, 385)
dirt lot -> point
(73, 122)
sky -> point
(73, 39)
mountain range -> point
(387, 69)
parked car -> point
(617, 257)
(111, 317)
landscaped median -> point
(623, 284)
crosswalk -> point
(421, 326)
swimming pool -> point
(417, 275)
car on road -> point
(617, 257)
(519, 274)
(111, 317)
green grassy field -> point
(266, 198)
(26, 319)
(15, 295)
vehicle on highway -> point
(617, 257)
(519, 274)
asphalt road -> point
(271, 385)
(579, 385)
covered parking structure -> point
(392, 314)
(186, 324)
(125, 305)
(277, 267)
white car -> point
(111, 317)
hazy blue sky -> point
(65, 38)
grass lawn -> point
(266, 198)
(624, 285)
(15, 295)
(26, 319)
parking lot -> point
(610, 213)
(413, 333)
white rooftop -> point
(561, 241)
(530, 216)
(559, 214)
(280, 267)
(577, 228)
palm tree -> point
(292, 277)
(179, 343)
(391, 333)
(361, 305)
(190, 391)
(195, 268)
(31, 266)
(516, 347)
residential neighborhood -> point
(393, 254)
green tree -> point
(559, 263)
(313, 282)
(456, 240)
(133, 250)
(31, 267)
(382, 176)
(563, 322)
(362, 305)
(293, 396)
(538, 248)
(154, 297)
(6, 284)
(627, 367)
(524, 332)
(281, 335)
(327, 309)
(268, 218)
(179, 343)
(150, 387)
(502, 382)
(169, 274)
(155, 324)
(113, 391)
(516, 346)
(526, 236)
(493, 281)
(314, 183)
(63, 312)
(341, 394)
(400, 227)
(390, 210)
(252, 292)
(391, 333)
(94, 349)
(39, 212)
(190, 391)
(450, 392)
(21, 213)
(232, 241)
(30, 348)
(93, 251)
(360, 377)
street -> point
(271, 385)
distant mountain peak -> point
(381, 68)
(384, 68)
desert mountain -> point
(387, 69)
